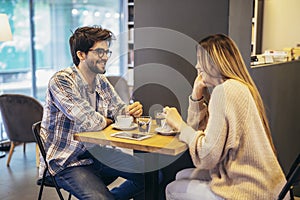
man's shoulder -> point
(63, 75)
(69, 71)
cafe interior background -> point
(40, 32)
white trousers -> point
(190, 184)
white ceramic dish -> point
(131, 127)
(163, 131)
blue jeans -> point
(89, 181)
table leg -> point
(151, 174)
(151, 185)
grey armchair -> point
(121, 87)
(19, 112)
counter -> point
(279, 86)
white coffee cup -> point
(124, 120)
(165, 126)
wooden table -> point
(156, 145)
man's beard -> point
(93, 67)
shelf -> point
(130, 34)
(130, 77)
(130, 26)
(130, 65)
(130, 14)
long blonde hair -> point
(225, 56)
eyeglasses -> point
(101, 52)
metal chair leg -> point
(57, 188)
(42, 185)
(70, 195)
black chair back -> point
(45, 180)
(36, 127)
(293, 179)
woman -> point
(235, 147)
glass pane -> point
(54, 21)
(15, 55)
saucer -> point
(163, 131)
(131, 127)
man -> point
(79, 99)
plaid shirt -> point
(68, 110)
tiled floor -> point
(19, 180)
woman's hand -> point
(173, 118)
(135, 109)
(198, 88)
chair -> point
(293, 179)
(19, 112)
(47, 179)
(121, 87)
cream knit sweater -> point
(234, 146)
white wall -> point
(281, 24)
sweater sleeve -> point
(206, 147)
(197, 114)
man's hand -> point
(108, 121)
(135, 109)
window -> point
(48, 32)
(53, 23)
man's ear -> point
(81, 55)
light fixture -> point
(116, 15)
(85, 12)
(5, 33)
(107, 15)
(75, 11)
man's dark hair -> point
(85, 37)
